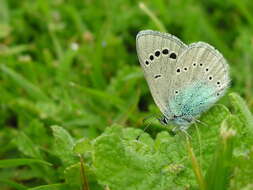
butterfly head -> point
(164, 120)
(177, 120)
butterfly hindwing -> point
(202, 63)
(158, 54)
(201, 78)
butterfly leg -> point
(198, 121)
(163, 120)
(147, 126)
(183, 130)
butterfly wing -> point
(200, 78)
(158, 54)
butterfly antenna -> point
(201, 122)
(147, 126)
(148, 117)
(186, 134)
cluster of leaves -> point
(163, 162)
(215, 157)
(63, 87)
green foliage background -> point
(71, 86)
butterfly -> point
(184, 80)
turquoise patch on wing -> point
(193, 100)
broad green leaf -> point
(119, 160)
(63, 145)
(242, 175)
(243, 153)
(73, 176)
(215, 115)
(82, 146)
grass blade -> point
(13, 184)
(58, 186)
(152, 16)
(10, 51)
(21, 162)
(31, 89)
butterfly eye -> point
(164, 120)
(157, 53)
(146, 62)
(218, 83)
(210, 78)
(207, 69)
(173, 55)
(178, 70)
(165, 51)
(176, 92)
(194, 64)
(185, 69)
(218, 94)
(200, 64)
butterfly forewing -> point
(158, 54)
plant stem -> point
(85, 184)
(196, 166)
(157, 22)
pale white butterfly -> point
(184, 80)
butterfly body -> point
(184, 80)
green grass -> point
(73, 97)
